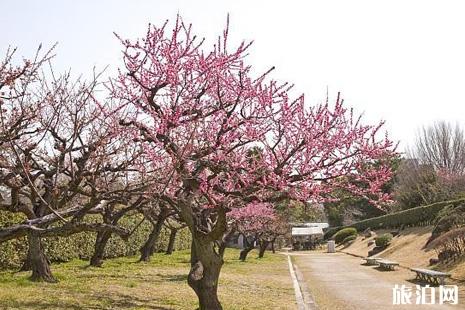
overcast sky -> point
(398, 61)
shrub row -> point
(81, 245)
(349, 238)
(341, 235)
(419, 216)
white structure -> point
(321, 225)
(309, 229)
(307, 235)
(331, 246)
(306, 231)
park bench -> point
(387, 264)
(371, 261)
(431, 276)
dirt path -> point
(340, 281)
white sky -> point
(400, 61)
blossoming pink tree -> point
(253, 221)
(200, 112)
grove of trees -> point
(185, 135)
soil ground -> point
(340, 281)
(408, 249)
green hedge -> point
(349, 238)
(81, 245)
(341, 235)
(419, 216)
(331, 231)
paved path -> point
(302, 295)
(340, 281)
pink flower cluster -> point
(234, 140)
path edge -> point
(303, 298)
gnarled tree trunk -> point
(205, 270)
(244, 252)
(149, 246)
(38, 261)
(248, 246)
(263, 245)
(206, 253)
(273, 246)
(99, 248)
(104, 236)
(170, 248)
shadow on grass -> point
(173, 278)
(103, 301)
(113, 276)
(40, 305)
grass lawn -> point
(161, 284)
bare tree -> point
(435, 167)
(442, 146)
(59, 160)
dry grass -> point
(408, 250)
(161, 284)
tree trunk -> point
(225, 240)
(263, 246)
(99, 248)
(149, 247)
(205, 270)
(272, 245)
(248, 246)
(244, 252)
(38, 261)
(170, 247)
(27, 262)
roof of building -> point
(306, 231)
(321, 225)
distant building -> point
(236, 241)
(306, 235)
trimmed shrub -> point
(344, 233)
(331, 231)
(419, 216)
(14, 251)
(349, 239)
(81, 245)
(447, 220)
(383, 240)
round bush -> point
(383, 240)
(344, 233)
(349, 239)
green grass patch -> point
(124, 283)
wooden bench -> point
(371, 261)
(387, 264)
(431, 276)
